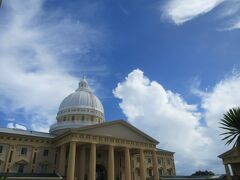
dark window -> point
(149, 160)
(10, 157)
(120, 161)
(34, 157)
(64, 119)
(138, 171)
(150, 172)
(24, 151)
(82, 118)
(45, 152)
(1, 148)
(99, 156)
(160, 171)
(55, 160)
(159, 161)
(138, 159)
(73, 118)
(169, 172)
(44, 168)
(20, 168)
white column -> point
(71, 161)
(127, 164)
(110, 162)
(228, 172)
(142, 165)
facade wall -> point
(166, 166)
(26, 155)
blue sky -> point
(170, 68)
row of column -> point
(228, 173)
(92, 163)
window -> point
(24, 151)
(149, 160)
(138, 171)
(169, 162)
(20, 168)
(1, 149)
(150, 172)
(34, 157)
(82, 118)
(159, 161)
(44, 168)
(64, 119)
(45, 152)
(169, 171)
(138, 159)
(99, 156)
(73, 118)
(160, 171)
(10, 157)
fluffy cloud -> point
(16, 126)
(166, 116)
(181, 11)
(34, 46)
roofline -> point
(225, 153)
(26, 133)
(166, 151)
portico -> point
(112, 153)
(231, 161)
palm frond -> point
(231, 124)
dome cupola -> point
(80, 108)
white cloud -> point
(38, 53)
(234, 25)
(166, 116)
(181, 11)
(16, 126)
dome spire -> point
(83, 84)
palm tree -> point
(231, 123)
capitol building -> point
(81, 145)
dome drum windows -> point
(73, 118)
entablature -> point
(104, 140)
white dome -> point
(78, 109)
(82, 99)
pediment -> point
(118, 129)
(230, 153)
(22, 161)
